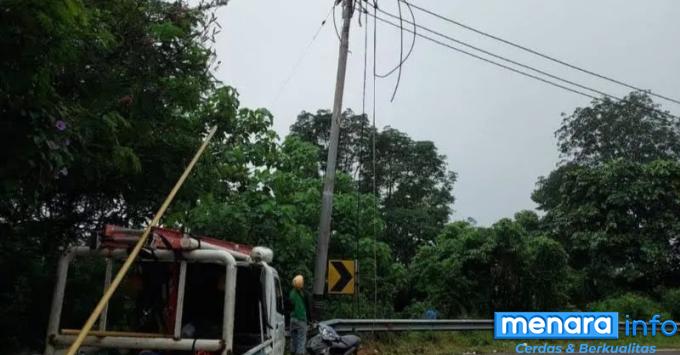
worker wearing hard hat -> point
(298, 316)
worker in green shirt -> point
(298, 316)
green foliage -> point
(614, 201)
(473, 271)
(671, 302)
(354, 140)
(416, 190)
(631, 304)
(618, 222)
(479, 342)
(413, 183)
(547, 267)
(634, 129)
(85, 88)
(529, 220)
(103, 103)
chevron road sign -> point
(341, 277)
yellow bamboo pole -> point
(138, 247)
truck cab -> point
(184, 295)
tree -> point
(619, 222)
(354, 139)
(415, 188)
(93, 125)
(633, 129)
(413, 183)
(277, 205)
(548, 270)
(474, 271)
(102, 107)
(611, 201)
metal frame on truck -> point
(166, 246)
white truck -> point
(185, 295)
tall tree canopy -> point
(620, 223)
(474, 271)
(413, 182)
(92, 92)
(354, 140)
(633, 129)
(416, 190)
(103, 104)
(613, 201)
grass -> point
(480, 342)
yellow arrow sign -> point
(341, 277)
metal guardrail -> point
(389, 325)
(400, 325)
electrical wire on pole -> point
(401, 50)
(302, 56)
(507, 67)
(335, 23)
(374, 187)
(491, 54)
(358, 175)
(402, 58)
(411, 47)
(540, 54)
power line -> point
(410, 50)
(549, 82)
(335, 24)
(358, 175)
(545, 56)
(302, 56)
(375, 191)
(402, 58)
(491, 61)
(401, 50)
(505, 59)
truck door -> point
(276, 324)
(272, 312)
(279, 319)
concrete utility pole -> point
(329, 179)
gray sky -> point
(495, 126)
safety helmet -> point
(298, 281)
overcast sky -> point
(496, 127)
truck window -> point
(249, 322)
(204, 301)
(141, 305)
(279, 296)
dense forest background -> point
(103, 103)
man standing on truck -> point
(298, 316)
